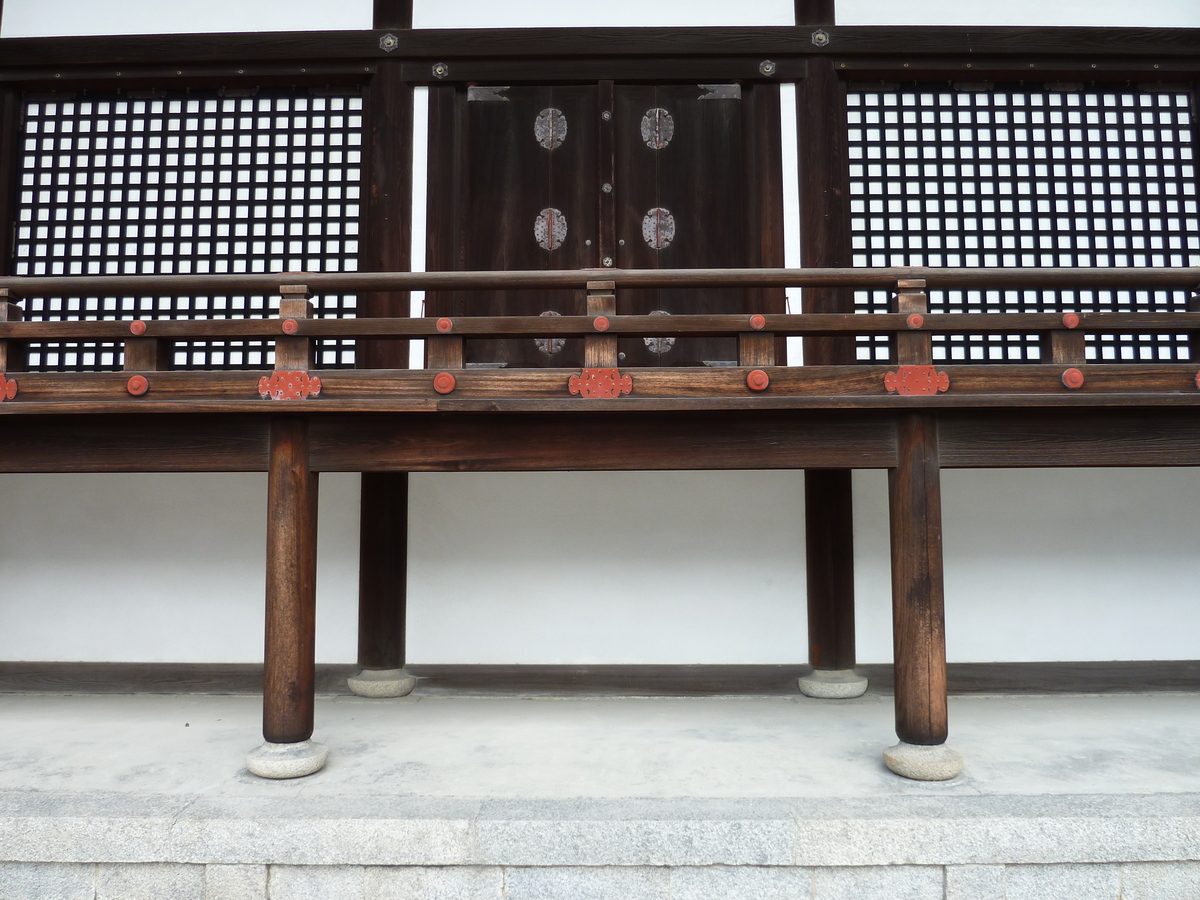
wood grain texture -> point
(382, 570)
(612, 442)
(541, 43)
(918, 615)
(829, 567)
(289, 655)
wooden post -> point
(824, 179)
(289, 655)
(387, 236)
(12, 353)
(918, 615)
(600, 350)
(291, 585)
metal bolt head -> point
(606, 187)
(388, 43)
(767, 67)
(607, 262)
(440, 70)
(820, 38)
(606, 115)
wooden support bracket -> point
(600, 350)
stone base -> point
(933, 762)
(377, 683)
(287, 760)
(833, 684)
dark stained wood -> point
(444, 352)
(12, 353)
(614, 441)
(600, 350)
(626, 69)
(137, 443)
(147, 354)
(392, 13)
(288, 677)
(606, 162)
(542, 43)
(1067, 347)
(322, 282)
(294, 353)
(443, 215)
(387, 220)
(756, 349)
(763, 150)
(918, 616)
(1099, 677)
(829, 554)
(913, 347)
(814, 13)
(383, 570)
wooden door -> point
(589, 176)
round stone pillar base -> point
(287, 760)
(377, 683)
(833, 684)
(921, 762)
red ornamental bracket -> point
(604, 384)
(8, 389)
(289, 386)
(919, 380)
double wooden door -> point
(604, 176)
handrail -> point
(354, 282)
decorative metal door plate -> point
(721, 91)
(289, 386)
(659, 345)
(487, 93)
(8, 389)
(657, 128)
(550, 345)
(600, 384)
(658, 228)
(550, 228)
(920, 380)
(550, 128)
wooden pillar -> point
(918, 618)
(291, 584)
(918, 614)
(825, 241)
(387, 239)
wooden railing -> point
(1063, 377)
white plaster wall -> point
(595, 567)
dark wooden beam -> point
(549, 43)
(392, 14)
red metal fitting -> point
(8, 389)
(1070, 320)
(1072, 378)
(444, 325)
(600, 323)
(600, 384)
(289, 326)
(137, 385)
(758, 322)
(137, 326)
(916, 320)
(916, 380)
(758, 380)
(444, 382)
(286, 385)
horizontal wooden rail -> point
(582, 326)
(352, 282)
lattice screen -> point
(187, 182)
(1053, 175)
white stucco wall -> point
(595, 567)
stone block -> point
(975, 883)
(1097, 881)
(231, 882)
(433, 883)
(758, 882)
(878, 883)
(315, 883)
(149, 881)
(587, 883)
(1160, 881)
(47, 881)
